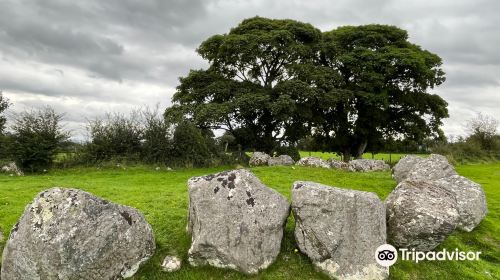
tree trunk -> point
(361, 149)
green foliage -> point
(379, 90)
(4, 104)
(190, 146)
(291, 151)
(37, 136)
(162, 197)
(156, 138)
(251, 87)
(273, 82)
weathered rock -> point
(339, 229)
(236, 221)
(313, 162)
(12, 168)
(281, 160)
(71, 234)
(366, 165)
(471, 200)
(431, 168)
(171, 264)
(259, 159)
(420, 215)
(404, 166)
(337, 164)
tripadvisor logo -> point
(386, 255)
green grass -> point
(162, 197)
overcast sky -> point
(88, 57)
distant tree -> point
(379, 89)
(156, 137)
(482, 129)
(4, 104)
(253, 83)
(37, 135)
(190, 146)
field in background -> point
(390, 158)
(162, 197)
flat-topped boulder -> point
(367, 165)
(259, 159)
(471, 200)
(339, 229)
(235, 221)
(404, 166)
(337, 164)
(420, 215)
(72, 234)
(281, 160)
(313, 162)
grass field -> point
(162, 197)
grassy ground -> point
(162, 197)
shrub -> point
(190, 146)
(292, 151)
(157, 142)
(37, 136)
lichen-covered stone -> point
(339, 229)
(404, 166)
(431, 168)
(281, 160)
(235, 221)
(367, 165)
(71, 234)
(420, 215)
(11, 168)
(171, 264)
(259, 159)
(313, 162)
(471, 200)
(337, 164)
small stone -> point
(171, 264)
(281, 160)
(259, 159)
(367, 165)
(337, 164)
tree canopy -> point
(273, 82)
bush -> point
(190, 146)
(157, 142)
(292, 151)
(37, 136)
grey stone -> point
(235, 221)
(281, 160)
(171, 264)
(337, 164)
(339, 229)
(471, 200)
(431, 168)
(404, 166)
(313, 162)
(367, 165)
(71, 234)
(11, 168)
(420, 215)
(259, 159)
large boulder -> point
(235, 221)
(259, 159)
(366, 165)
(72, 234)
(337, 164)
(431, 168)
(471, 200)
(404, 166)
(420, 215)
(281, 160)
(313, 162)
(339, 229)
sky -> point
(85, 58)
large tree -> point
(252, 88)
(379, 90)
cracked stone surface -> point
(235, 221)
(259, 159)
(72, 234)
(339, 229)
(420, 215)
(337, 164)
(471, 200)
(405, 165)
(367, 165)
